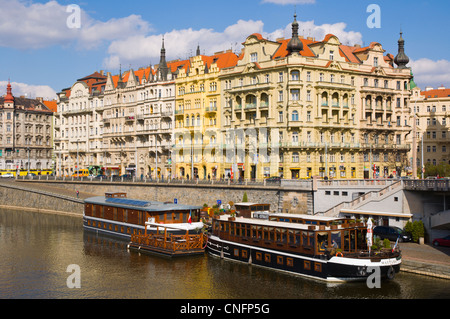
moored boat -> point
(115, 214)
(329, 249)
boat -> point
(116, 214)
(168, 244)
(318, 247)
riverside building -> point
(25, 134)
(198, 149)
(432, 125)
(121, 124)
(317, 108)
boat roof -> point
(145, 205)
(277, 224)
(307, 217)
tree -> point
(245, 199)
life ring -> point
(390, 273)
(339, 254)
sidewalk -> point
(426, 260)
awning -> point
(387, 214)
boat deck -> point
(169, 245)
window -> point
(280, 116)
(295, 94)
(295, 157)
(254, 57)
(375, 61)
(295, 75)
(280, 260)
(295, 116)
(331, 55)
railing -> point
(144, 180)
(171, 242)
(427, 185)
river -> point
(37, 249)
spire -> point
(198, 50)
(401, 59)
(295, 45)
(163, 70)
(9, 98)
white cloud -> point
(25, 25)
(142, 50)
(28, 90)
(431, 73)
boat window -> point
(169, 216)
(291, 237)
(298, 237)
(361, 239)
(322, 240)
(336, 238)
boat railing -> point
(170, 242)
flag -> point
(396, 243)
(190, 218)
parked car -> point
(391, 233)
(101, 176)
(442, 241)
(8, 175)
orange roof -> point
(223, 60)
(52, 105)
(438, 93)
(283, 52)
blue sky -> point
(42, 55)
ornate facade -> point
(25, 133)
(121, 123)
(431, 113)
(317, 108)
(198, 116)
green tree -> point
(418, 230)
(245, 199)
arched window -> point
(295, 116)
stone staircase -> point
(364, 199)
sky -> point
(45, 46)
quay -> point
(419, 259)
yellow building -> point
(299, 108)
(197, 116)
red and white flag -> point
(190, 218)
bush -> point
(418, 230)
(386, 243)
(409, 227)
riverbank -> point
(426, 260)
(420, 259)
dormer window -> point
(375, 61)
(254, 57)
(331, 55)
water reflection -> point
(37, 248)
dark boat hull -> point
(335, 269)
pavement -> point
(426, 260)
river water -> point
(37, 249)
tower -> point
(401, 59)
(163, 70)
(9, 98)
(295, 45)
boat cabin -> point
(300, 238)
(116, 213)
(248, 209)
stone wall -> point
(13, 197)
(293, 201)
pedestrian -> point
(78, 194)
